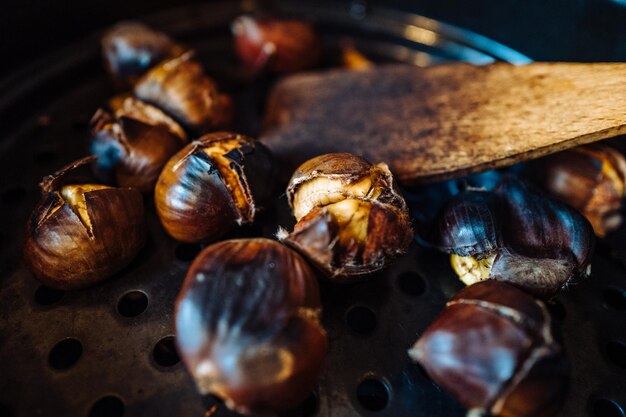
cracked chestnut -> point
(129, 49)
(278, 45)
(515, 234)
(181, 89)
(351, 218)
(80, 234)
(591, 179)
(494, 350)
(214, 183)
(133, 143)
(248, 325)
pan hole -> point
(616, 351)
(557, 310)
(411, 284)
(187, 252)
(308, 407)
(361, 320)
(13, 195)
(65, 353)
(164, 352)
(45, 158)
(5, 411)
(133, 303)
(614, 298)
(373, 394)
(607, 408)
(46, 296)
(108, 406)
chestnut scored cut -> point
(515, 234)
(81, 234)
(248, 325)
(181, 89)
(220, 180)
(278, 45)
(591, 179)
(129, 49)
(133, 144)
(493, 349)
(351, 218)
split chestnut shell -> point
(80, 234)
(494, 350)
(247, 325)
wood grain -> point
(446, 121)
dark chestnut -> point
(351, 218)
(278, 45)
(130, 48)
(181, 89)
(81, 233)
(214, 183)
(133, 144)
(248, 325)
(589, 178)
(515, 234)
(494, 350)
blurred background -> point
(565, 30)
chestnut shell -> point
(494, 350)
(247, 325)
(540, 244)
(66, 254)
(192, 199)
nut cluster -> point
(247, 325)
(351, 218)
(81, 233)
(493, 348)
(216, 182)
(517, 235)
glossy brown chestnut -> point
(278, 45)
(591, 179)
(129, 49)
(515, 234)
(214, 183)
(351, 218)
(80, 234)
(493, 349)
(181, 89)
(133, 144)
(247, 325)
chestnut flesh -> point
(181, 89)
(351, 218)
(133, 144)
(591, 179)
(247, 325)
(214, 183)
(80, 234)
(494, 350)
(515, 234)
(277, 45)
(129, 49)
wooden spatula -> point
(446, 121)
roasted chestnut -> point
(82, 233)
(133, 144)
(351, 218)
(215, 182)
(248, 325)
(494, 350)
(181, 89)
(278, 45)
(589, 178)
(130, 48)
(515, 234)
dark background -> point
(568, 30)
